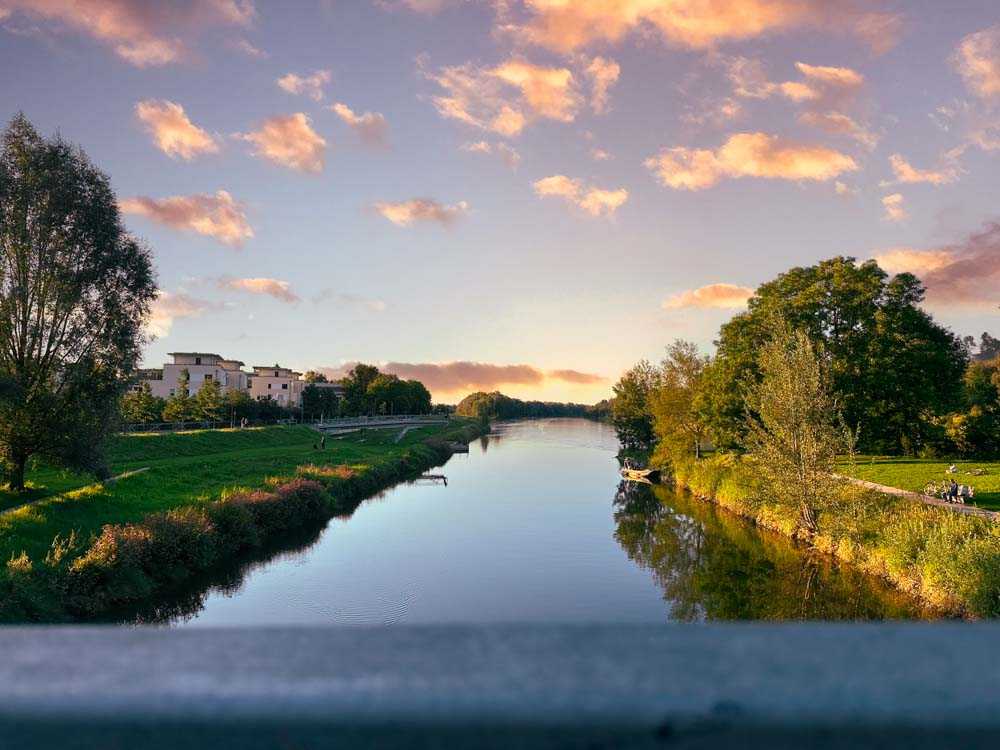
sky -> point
(523, 195)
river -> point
(534, 526)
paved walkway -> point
(970, 510)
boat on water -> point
(635, 473)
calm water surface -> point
(535, 526)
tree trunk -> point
(17, 463)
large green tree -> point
(676, 404)
(892, 367)
(630, 409)
(75, 289)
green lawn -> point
(184, 468)
(916, 473)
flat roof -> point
(194, 354)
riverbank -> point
(950, 562)
(80, 550)
(914, 474)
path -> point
(970, 510)
(109, 480)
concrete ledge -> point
(890, 685)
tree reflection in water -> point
(712, 565)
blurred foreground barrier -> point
(684, 686)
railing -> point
(701, 685)
(383, 419)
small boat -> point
(634, 473)
(641, 475)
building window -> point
(268, 386)
(172, 391)
(275, 373)
(208, 376)
(284, 386)
(197, 360)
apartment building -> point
(281, 384)
(201, 366)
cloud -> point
(248, 49)
(712, 296)
(462, 376)
(603, 74)
(140, 32)
(977, 59)
(599, 154)
(966, 274)
(405, 213)
(503, 99)
(894, 209)
(345, 299)
(169, 306)
(747, 155)
(217, 216)
(280, 290)
(290, 141)
(908, 174)
(371, 127)
(311, 86)
(594, 201)
(823, 86)
(173, 133)
(575, 376)
(838, 123)
(565, 27)
(427, 7)
(843, 189)
(508, 154)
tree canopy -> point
(75, 289)
(892, 367)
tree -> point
(675, 402)
(630, 409)
(180, 407)
(312, 376)
(418, 398)
(891, 366)
(319, 402)
(208, 402)
(356, 384)
(237, 405)
(75, 290)
(792, 428)
(141, 406)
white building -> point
(201, 366)
(281, 384)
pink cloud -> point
(712, 296)
(405, 213)
(311, 85)
(173, 133)
(217, 216)
(371, 127)
(592, 200)
(280, 290)
(963, 275)
(141, 32)
(169, 307)
(289, 141)
(748, 155)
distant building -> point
(337, 388)
(281, 384)
(201, 366)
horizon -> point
(519, 196)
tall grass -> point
(950, 561)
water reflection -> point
(536, 530)
(711, 565)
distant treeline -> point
(498, 406)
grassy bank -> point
(80, 549)
(914, 474)
(951, 562)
